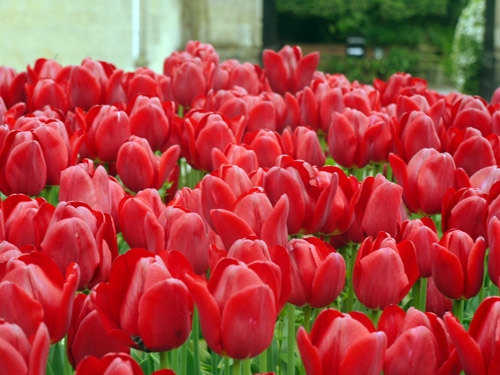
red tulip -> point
(188, 81)
(477, 348)
(355, 139)
(436, 302)
(485, 178)
(144, 292)
(471, 111)
(23, 354)
(107, 128)
(318, 272)
(423, 234)
(139, 168)
(114, 364)
(78, 234)
(288, 70)
(458, 264)
(85, 183)
(267, 144)
(465, 209)
(24, 219)
(494, 252)
(341, 344)
(81, 85)
(42, 280)
(87, 335)
(384, 271)
(374, 196)
(138, 217)
(417, 130)
(152, 120)
(235, 154)
(399, 84)
(237, 302)
(188, 233)
(417, 343)
(46, 92)
(426, 166)
(306, 146)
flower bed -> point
(223, 217)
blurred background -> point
(451, 43)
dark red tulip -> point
(384, 271)
(107, 128)
(76, 233)
(235, 154)
(458, 264)
(494, 252)
(82, 87)
(87, 334)
(139, 168)
(144, 291)
(428, 164)
(42, 280)
(188, 81)
(341, 344)
(267, 144)
(317, 272)
(237, 302)
(86, 183)
(138, 216)
(288, 70)
(23, 354)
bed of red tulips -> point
(226, 218)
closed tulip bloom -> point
(138, 216)
(78, 234)
(107, 129)
(426, 178)
(188, 81)
(237, 302)
(288, 70)
(306, 146)
(87, 334)
(267, 144)
(43, 282)
(494, 253)
(145, 302)
(23, 354)
(114, 364)
(46, 92)
(384, 271)
(139, 168)
(458, 264)
(341, 344)
(318, 272)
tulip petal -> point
(230, 227)
(329, 280)
(365, 356)
(447, 272)
(308, 353)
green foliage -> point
(468, 47)
(398, 59)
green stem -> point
(375, 316)
(420, 293)
(164, 362)
(226, 366)
(458, 309)
(215, 363)
(246, 367)
(291, 339)
(263, 360)
(196, 342)
(306, 311)
(236, 369)
(184, 358)
(351, 260)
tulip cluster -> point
(223, 217)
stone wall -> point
(69, 31)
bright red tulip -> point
(138, 216)
(399, 84)
(78, 234)
(458, 264)
(114, 364)
(341, 344)
(107, 128)
(87, 334)
(355, 139)
(384, 271)
(417, 343)
(139, 168)
(23, 354)
(86, 183)
(306, 146)
(494, 252)
(145, 302)
(426, 178)
(288, 70)
(423, 234)
(188, 81)
(81, 85)
(318, 272)
(471, 111)
(237, 302)
(42, 280)
(267, 144)
(152, 120)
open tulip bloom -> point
(221, 217)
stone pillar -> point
(490, 61)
